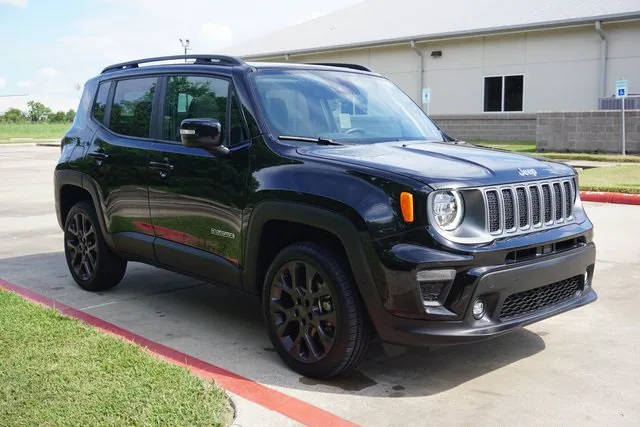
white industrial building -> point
(477, 56)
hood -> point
(443, 165)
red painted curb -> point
(288, 406)
(607, 197)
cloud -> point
(3, 82)
(215, 34)
(25, 84)
(77, 51)
(49, 72)
(20, 3)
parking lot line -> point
(284, 404)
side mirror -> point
(204, 133)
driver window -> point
(193, 97)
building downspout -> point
(420, 53)
(603, 59)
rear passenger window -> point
(100, 104)
(131, 109)
(193, 97)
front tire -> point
(315, 318)
(92, 264)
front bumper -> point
(494, 284)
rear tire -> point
(92, 264)
(315, 317)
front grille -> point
(516, 208)
(526, 302)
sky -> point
(48, 49)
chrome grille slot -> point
(509, 213)
(558, 202)
(493, 208)
(518, 208)
(546, 198)
(523, 207)
(535, 205)
(568, 198)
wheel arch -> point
(74, 186)
(328, 226)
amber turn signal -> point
(406, 205)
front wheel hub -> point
(302, 311)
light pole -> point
(186, 44)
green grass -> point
(620, 179)
(518, 146)
(55, 370)
(530, 147)
(32, 130)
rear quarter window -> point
(100, 103)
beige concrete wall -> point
(488, 127)
(588, 131)
(560, 66)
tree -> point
(38, 112)
(58, 117)
(13, 115)
(70, 115)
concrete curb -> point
(607, 197)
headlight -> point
(447, 209)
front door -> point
(197, 196)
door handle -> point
(99, 156)
(160, 165)
(163, 168)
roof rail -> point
(200, 59)
(342, 65)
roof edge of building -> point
(627, 16)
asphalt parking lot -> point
(582, 367)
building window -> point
(503, 93)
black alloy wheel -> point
(83, 246)
(315, 317)
(303, 311)
(93, 265)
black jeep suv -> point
(326, 191)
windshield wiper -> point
(319, 141)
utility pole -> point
(186, 44)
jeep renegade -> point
(327, 192)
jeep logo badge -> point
(527, 172)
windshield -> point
(340, 106)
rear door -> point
(197, 196)
(119, 156)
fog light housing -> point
(434, 285)
(478, 309)
(587, 282)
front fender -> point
(355, 240)
(363, 196)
